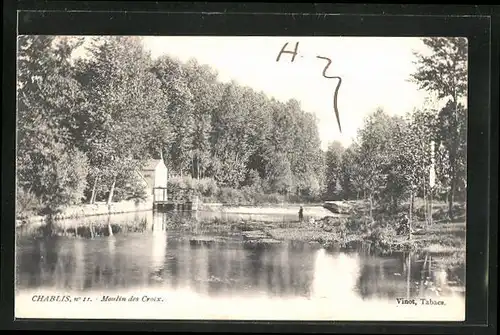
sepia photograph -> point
(303, 178)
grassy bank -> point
(82, 211)
(443, 240)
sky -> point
(374, 72)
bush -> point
(231, 196)
(208, 191)
(190, 185)
(207, 187)
(355, 223)
(253, 179)
(64, 181)
(273, 198)
(27, 203)
(176, 185)
(309, 187)
(381, 237)
(56, 175)
(185, 187)
(130, 188)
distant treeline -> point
(92, 110)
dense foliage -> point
(86, 123)
(391, 160)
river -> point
(156, 272)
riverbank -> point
(268, 226)
(443, 238)
(86, 210)
(319, 226)
(310, 210)
(446, 239)
(351, 230)
(97, 209)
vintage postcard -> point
(241, 178)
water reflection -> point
(159, 243)
(406, 275)
(157, 256)
(335, 275)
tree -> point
(375, 153)
(124, 117)
(261, 124)
(180, 111)
(86, 123)
(409, 161)
(307, 159)
(410, 164)
(453, 172)
(333, 170)
(422, 127)
(351, 179)
(206, 96)
(230, 138)
(279, 174)
(444, 72)
(48, 164)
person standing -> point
(301, 214)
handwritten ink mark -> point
(283, 51)
(294, 53)
(335, 95)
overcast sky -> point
(374, 71)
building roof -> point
(151, 164)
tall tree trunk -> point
(193, 175)
(451, 195)
(453, 132)
(198, 168)
(412, 200)
(430, 206)
(371, 207)
(451, 192)
(112, 190)
(426, 209)
(408, 276)
(410, 217)
(92, 197)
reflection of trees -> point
(220, 268)
(79, 277)
(47, 258)
(140, 260)
(392, 277)
(335, 275)
(281, 271)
